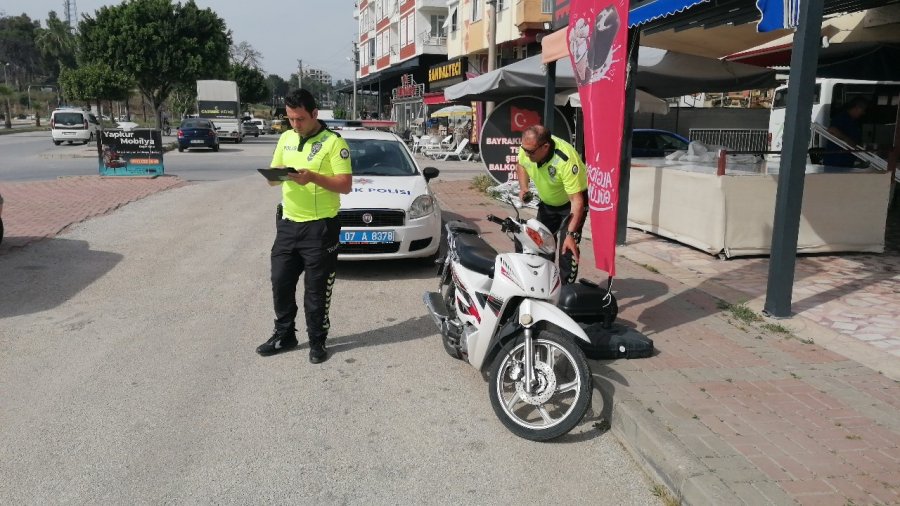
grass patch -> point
(776, 328)
(663, 493)
(6, 131)
(854, 437)
(482, 182)
(650, 268)
(740, 312)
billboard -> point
(501, 135)
(133, 153)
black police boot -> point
(279, 342)
(317, 352)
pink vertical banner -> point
(597, 37)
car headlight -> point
(422, 206)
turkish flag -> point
(597, 37)
(520, 119)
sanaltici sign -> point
(449, 73)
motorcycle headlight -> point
(422, 206)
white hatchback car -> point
(70, 125)
(391, 212)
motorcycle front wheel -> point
(559, 397)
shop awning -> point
(661, 73)
(435, 98)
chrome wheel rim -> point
(556, 390)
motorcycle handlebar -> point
(494, 219)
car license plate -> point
(366, 236)
(68, 133)
(197, 141)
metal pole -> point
(550, 96)
(492, 45)
(634, 46)
(792, 173)
(355, 70)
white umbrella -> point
(452, 110)
(643, 102)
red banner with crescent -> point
(597, 37)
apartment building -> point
(519, 23)
(317, 75)
(398, 41)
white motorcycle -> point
(499, 312)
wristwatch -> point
(576, 235)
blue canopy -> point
(655, 9)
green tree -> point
(278, 85)
(158, 43)
(17, 48)
(95, 82)
(251, 84)
(183, 99)
(56, 43)
(6, 92)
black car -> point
(652, 142)
(197, 133)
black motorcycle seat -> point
(476, 254)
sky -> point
(320, 32)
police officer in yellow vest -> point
(308, 229)
(561, 180)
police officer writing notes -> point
(561, 182)
(308, 229)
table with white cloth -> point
(733, 215)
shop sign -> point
(560, 14)
(408, 88)
(133, 153)
(501, 136)
(449, 73)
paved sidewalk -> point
(732, 411)
(36, 210)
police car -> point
(391, 212)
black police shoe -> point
(317, 353)
(278, 343)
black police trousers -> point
(556, 218)
(310, 248)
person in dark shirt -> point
(845, 126)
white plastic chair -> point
(415, 144)
(456, 153)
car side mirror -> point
(430, 173)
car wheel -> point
(70, 143)
(255, 135)
(216, 148)
(180, 149)
(57, 142)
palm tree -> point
(56, 42)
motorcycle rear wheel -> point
(560, 397)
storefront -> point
(443, 116)
(408, 105)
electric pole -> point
(355, 70)
(492, 45)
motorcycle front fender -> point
(546, 312)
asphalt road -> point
(33, 157)
(128, 375)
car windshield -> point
(376, 157)
(195, 123)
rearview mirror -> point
(430, 173)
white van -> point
(829, 97)
(260, 123)
(70, 125)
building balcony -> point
(428, 4)
(432, 44)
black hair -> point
(300, 98)
(541, 133)
(857, 101)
